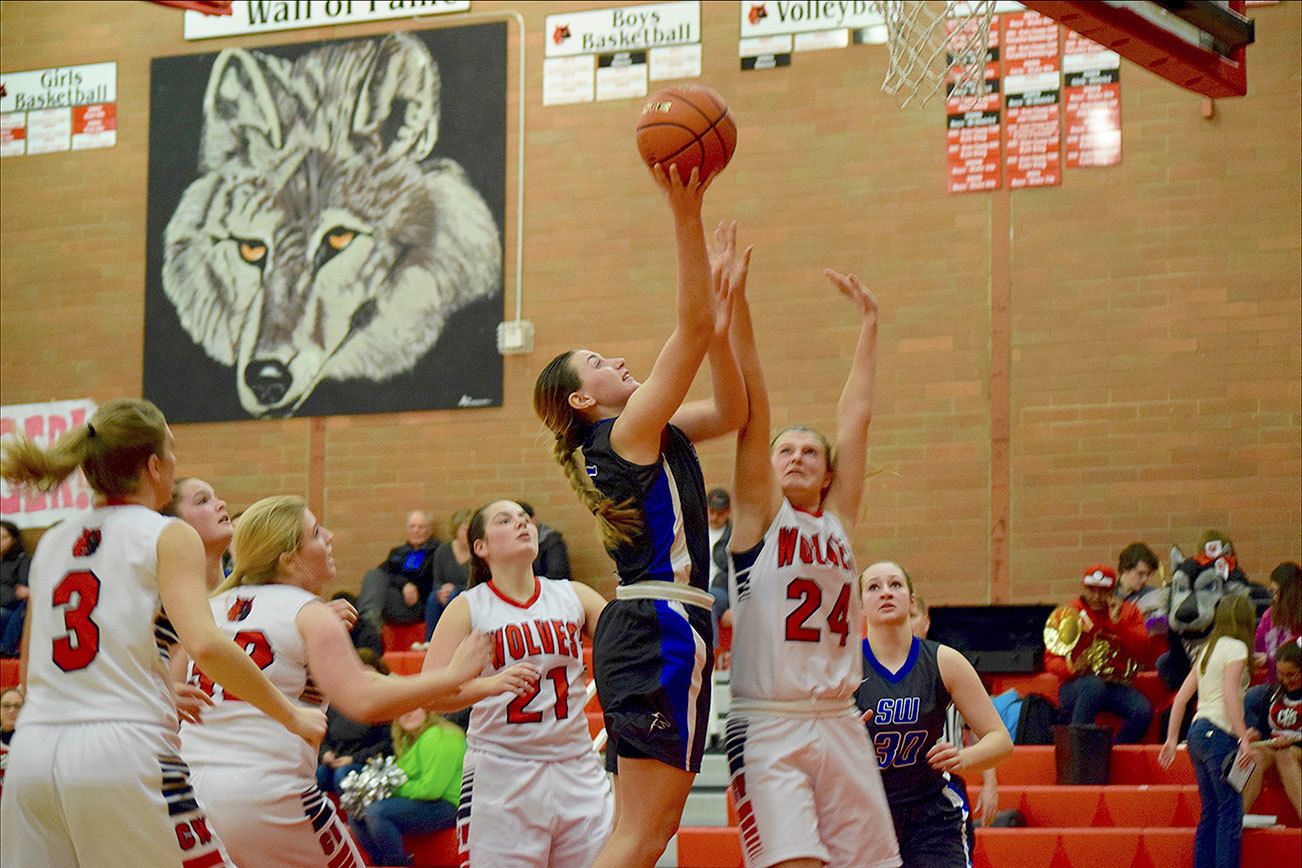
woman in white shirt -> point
(1220, 676)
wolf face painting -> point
(328, 243)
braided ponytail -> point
(618, 524)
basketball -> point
(688, 126)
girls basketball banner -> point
(325, 226)
(44, 424)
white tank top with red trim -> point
(547, 722)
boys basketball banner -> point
(324, 227)
(265, 16)
(44, 424)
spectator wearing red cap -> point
(1095, 644)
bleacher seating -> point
(1145, 818)
(400, 637)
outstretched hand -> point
(684, 197)
(471, 657)
(727, 276)
(851, 288)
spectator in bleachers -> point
(14, 564)
(396, 590)
(553, 561)
(349, 744)
(1135, 567)
(364, 633)
(718, 511)
(1281, 625)
(11, 702)
(1219, 676)
(430, 750)
(987, 805)
(1094, 645)
(1283, 723)
(451, 569)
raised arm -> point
(726, 410)
(184, 591)
(636, 434)
(593, 604)
(756, 494)
(970, 698)
(855, 409)
(367, 696)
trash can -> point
(1083, 753)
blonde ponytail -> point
(112, 449)
(266, 530)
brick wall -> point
(1155, 370)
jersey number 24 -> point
(810, 595)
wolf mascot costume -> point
(1188, 604)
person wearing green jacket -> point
(430, 750)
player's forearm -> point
(855, 408)
(989, 751)
(226, 663)
(382, 698)
(695, 307)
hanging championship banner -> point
(613, 53)
(1092, 103)
(771, 30)
(43, 111)
(44, 424)
(266, 16)
(972, 117)
(1032, 85)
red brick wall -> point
(1156, 367)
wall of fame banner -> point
(325, 226)
(605, 54)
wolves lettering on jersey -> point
(527, 639)
(831, 552)
(547, 721)
(794, 607)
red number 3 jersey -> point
(796, 612)
(547, 720)
(260, 618)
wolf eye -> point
(339, 238)
(252, 252)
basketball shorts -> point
(934, 834)
(808, 788)
(107, 794)
(276, 821)
(652, 660)
(523, 812)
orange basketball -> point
(688, 126)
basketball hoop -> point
(933, 43)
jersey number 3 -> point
(76, 648)
(810, 596)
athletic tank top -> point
(673, 544)
(94, 596)
(908, 717)
(796, 612)
(260, 618)
(546, 722)
(1285, 714)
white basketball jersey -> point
(94, 596)
(796, 612)
(547, 721)
(260, 618)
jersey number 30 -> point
(810, 596)
(76, 648)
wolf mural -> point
(323, 240)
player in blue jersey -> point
(909, 684)
(626, 448)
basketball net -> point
(935, 44)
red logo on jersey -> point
(240, 609)
(87, 544)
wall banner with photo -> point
(325, 227)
